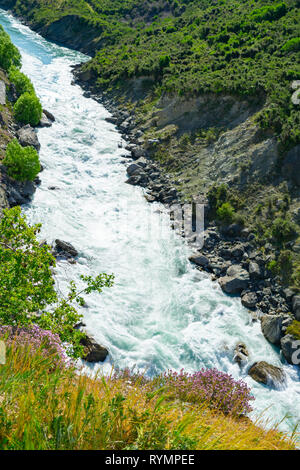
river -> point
(162, 313)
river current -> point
(162, 313)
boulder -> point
(134, 169)
(267, 374)
(2, 93)
(296, 306)
(290, 349)
(62, 247)
(93, 352)
(236, 280)
(45, 122)
(241, 354)
(27, 137)
(199, 260)
(49, 115)
(249, 300)
(255, 271)
(271, 326)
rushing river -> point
(162, 313)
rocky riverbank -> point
(230, 253)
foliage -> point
(294, 329)
(27, 292)
(35, 339)
(22, 162)
(28, 109)
(45, 407)
(22, 83)
(9, 54)
(226, 213)
(283, 230)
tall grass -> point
(44, 406)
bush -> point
(22, 83)
(294, 329)
(283, 230)
(292, 45)
(22, 162)
(226, 213)
(28, 109)
(9, 54)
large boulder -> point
(290, 349)
(199, 260)
(267, 374)
(93, 352)
(271, 326)
(27, 137)
(64, 250)
(249, 300)
(236, 280)
(255, 271)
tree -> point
(22, 83)
(9, 54)
(22, 162)
(28, 109)
(27, 285)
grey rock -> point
(271, 326)
(249, 300)
(45, 122)
(199, 260)
(296, 306)
(236, 280)
(27, 137)
(133, 169)
(267, 374)
(241, 354)
(255, 271)
(290, 349)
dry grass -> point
(43, 407)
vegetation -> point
(22, 162)
(9, 54)
(28, 109)
(27, 286)
(46, 406)
(22, 83)
(294, 329)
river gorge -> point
(162, 313)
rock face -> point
(93, 352)
(267, 374)
(235, 281)
(271, 326)
(290, 349)
(2, 93)
(27, 137)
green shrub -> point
(294, 329)
(9, 54)
(283, 230)
(28, 109)
(226, 213)
(22, 162)
(292, 45)
(22, 83)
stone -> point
(2, 93)
(290, 349)
(267, 374)
(133, 169)
(45, 122)
(27, 137)
(65, 247)
(241, 354)
(296, 306)
(254, 271)
(271, 326)
(236, 280)
(49, 115)
(249, 300)
(93, 352)
(199, 260)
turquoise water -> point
(161, 313)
